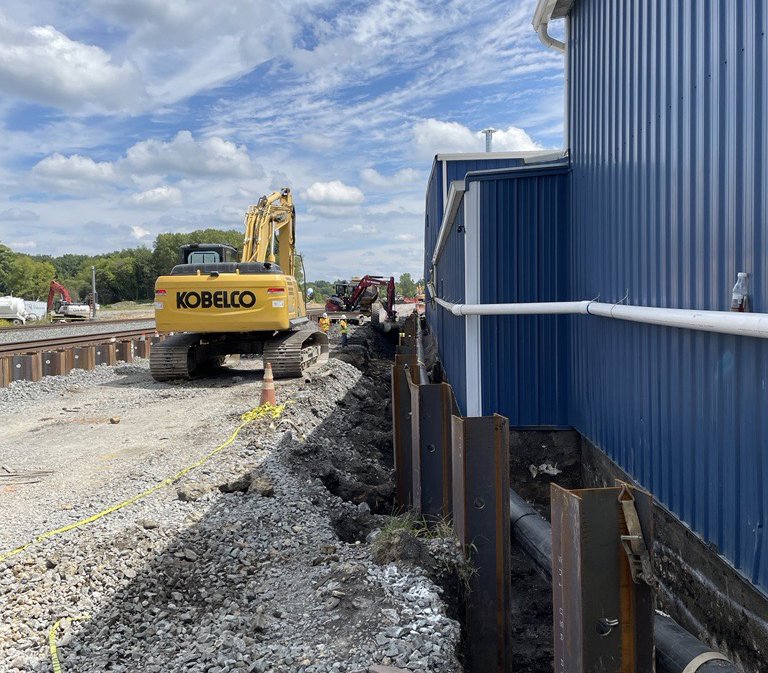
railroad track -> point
(72, 323)
(37, 345)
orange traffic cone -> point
(268, 387)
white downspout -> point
(473, 371)
(547, 39)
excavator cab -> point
(207, 253)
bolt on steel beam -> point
(480, 468)
(603, 616)
(432, 406)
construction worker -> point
(325, 323)
(344, 331)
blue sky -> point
(121, 120)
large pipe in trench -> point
(677, 651)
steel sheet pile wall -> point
(523, 224)
(669, 147)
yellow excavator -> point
(216, 306)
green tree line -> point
(123, 275)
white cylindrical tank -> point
(12, 308)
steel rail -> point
(41, 324)
(18, 347)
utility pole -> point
(93, 293)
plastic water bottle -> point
(740, 294)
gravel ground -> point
(70, 329)
(257, 561)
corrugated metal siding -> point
(448, 328)
(449, 281)
(523, 226)
(669, 147)
(433, 214)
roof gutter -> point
(541, 18)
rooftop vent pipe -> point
(489, 138)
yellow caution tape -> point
(263, 411)
(52, 639)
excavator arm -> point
(270, 231)
(53, 289)
(362, 286)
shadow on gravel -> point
(233, 373)
(263, 579)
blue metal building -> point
(662, 200)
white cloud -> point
(146, 164)
(432, 136)
(402, 178)
(74, 173)
(184, 47)
(406, 205)
(361, 229)
(318, 142)
(159, 197)
(334, 193)
(41, 64)
(405, 237)
(140, 232)
(18, 215)
(22, 245)
(186, 156)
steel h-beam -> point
(480, 464)
(402, 429)
(431, 409)
(603, 606)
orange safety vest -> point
(325, 323)
(343, 325)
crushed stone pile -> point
(260, 561)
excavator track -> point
(173, 358)
(294, 353)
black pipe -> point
(675, 647)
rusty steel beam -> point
(142, 348)
(54, 363)
(26, 367)
(603, 620)
(84, 358)
(401, 433)
(5, 372)
(125, 351)
(480, 467)
(106, 354)
(431, 409)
